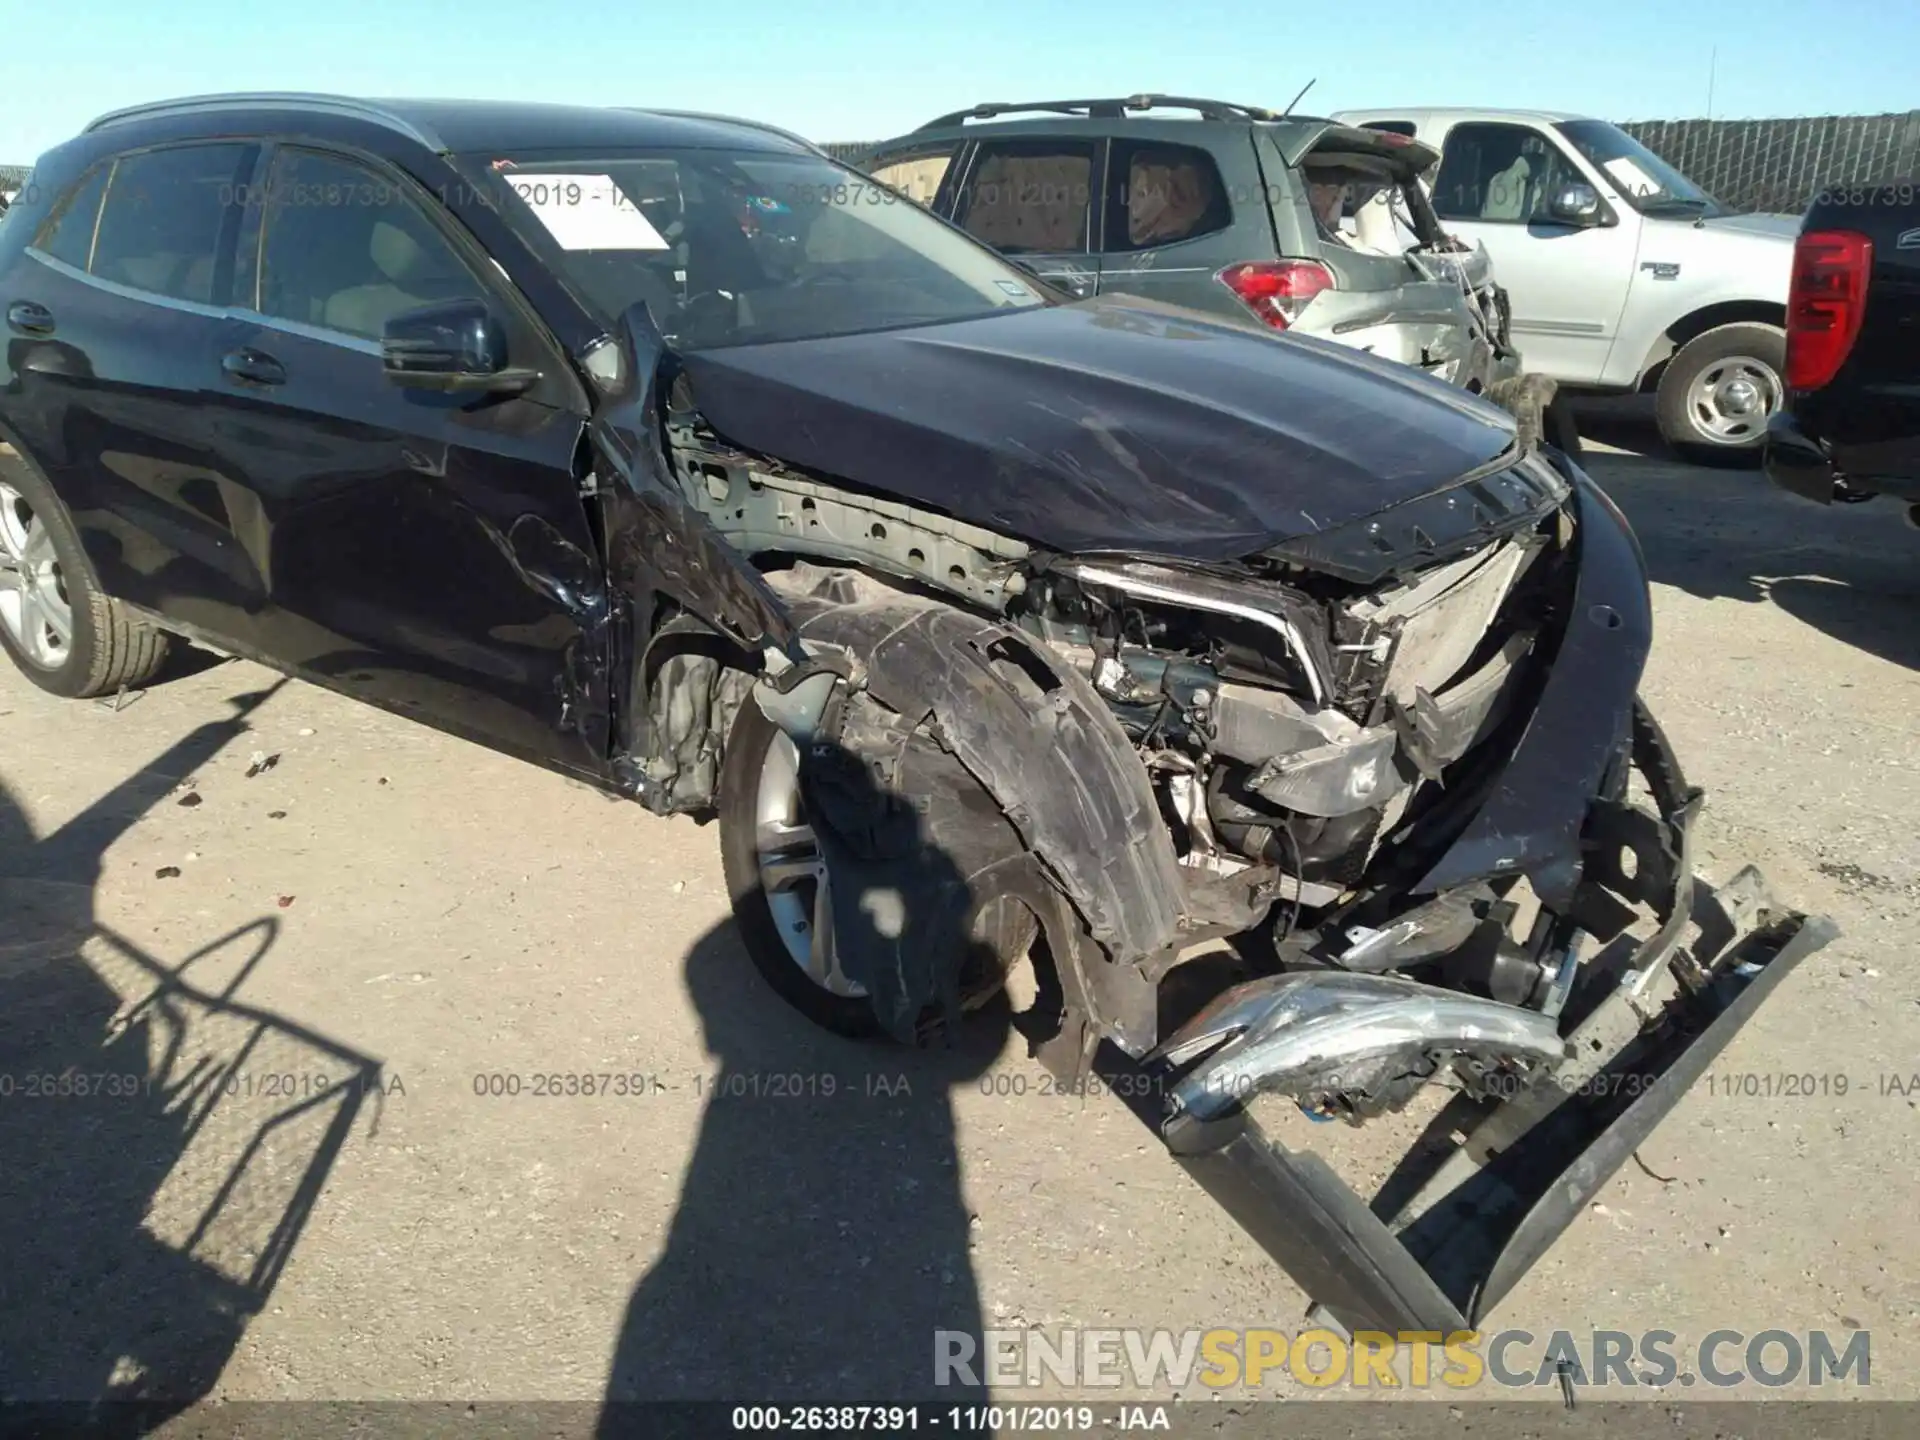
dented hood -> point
(1112, 424)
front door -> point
(427, 552)
(1568, 284)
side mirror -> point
(457, 345)
(1576, 204)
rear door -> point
(1038, 202)
(1567, 284)
(115, 315)
(429, 553)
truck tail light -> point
(1825, 300)
(1277, 291)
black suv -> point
(1851, 429)
(996, 630)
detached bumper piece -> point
(1501, 1171)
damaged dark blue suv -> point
(1000, 632)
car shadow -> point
(1849, 571)
(162, 1143)
(822, 1236)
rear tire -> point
(56, 626)
(1715, 395)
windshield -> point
(1650, 184)
(745, 247)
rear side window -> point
(1162, 194)
(68, 233)
(916, 175)
(347, 249)
(1499, 172)
(1031, 197)
(164, 219)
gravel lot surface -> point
(310, 975)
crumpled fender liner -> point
(1046, 748)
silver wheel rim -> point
(34, 605)
(793, 873)
(1731, 399)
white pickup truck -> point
(1623, 274)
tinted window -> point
(161, 226)
(1161, 194)
(917, 175)
(1499, 172)
(744, 247)
(1031, 197)
(1392, 127)
(68, 233)
(345, 249)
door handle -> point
(28, 318)
(253, 367)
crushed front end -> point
(1396, 758)
(1479, 845)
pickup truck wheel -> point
(777, 878)
(56, 627)
(1717, 392)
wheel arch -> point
(1698, 322)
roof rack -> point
(371, 110)
(1110, 109)
(721, 119)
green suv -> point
(1300, 223)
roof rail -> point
(724, 120)
(346, 105)
(1110, 109)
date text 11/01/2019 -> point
(84, 1085)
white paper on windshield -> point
(587, 212)
(1630, 177)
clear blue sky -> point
(858, 71)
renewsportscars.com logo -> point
(1463, 1360)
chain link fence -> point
(1780, 165)
(1759, 165)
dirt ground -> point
(301, 989)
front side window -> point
(68, 232)
(1031, 197)
(916, 175)
(1504, 173)
(1650, 184)
(344, 248)
(165, 217)
(747, 247)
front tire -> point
(1715, 395)
(55, 625)
(777, 881)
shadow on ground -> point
(822, 1238)
(1851, 571)
(161, 1143)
